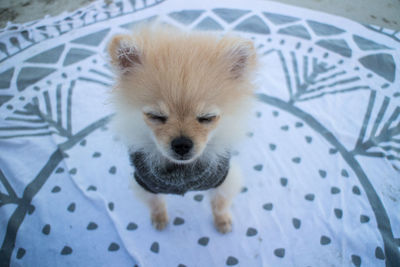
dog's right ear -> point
(124, 54)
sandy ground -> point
(19, 11)
(385, 13)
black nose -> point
(181, 145)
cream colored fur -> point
(222, 196)
(183, 76)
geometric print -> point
(320, 159)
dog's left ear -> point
(124, 54)
(242, 57)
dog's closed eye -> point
(206, 119)
(156, 117)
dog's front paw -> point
(223, 223)
(159, 220)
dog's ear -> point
(124, 54)
(242, 57)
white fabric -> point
(310, 197)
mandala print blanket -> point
(321, 158)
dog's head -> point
(183, 84)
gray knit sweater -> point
(173, 178)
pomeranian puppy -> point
(181, 99)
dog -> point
(182, 100)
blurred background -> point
(384, 13)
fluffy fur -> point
(172, 83)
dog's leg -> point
(156, 204)
(221, 199)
